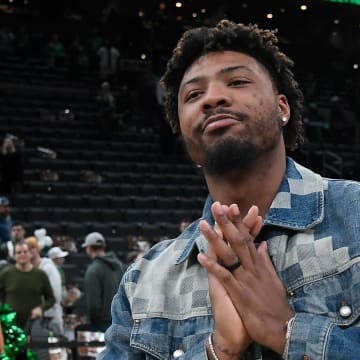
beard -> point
(233, 153)
(229, 155)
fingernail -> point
(236, 209)
(202, 257)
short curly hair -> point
(249, 39)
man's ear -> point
(284, 109)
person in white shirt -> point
(48, 266)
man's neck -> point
(24, 267)
(257, 185)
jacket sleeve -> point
(319, 337)
(118, 335)
(93, 286)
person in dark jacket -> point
(102, 279)
(11, 168)
(5, 220)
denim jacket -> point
(162, 309)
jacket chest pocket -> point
(165, 339)
(336, 296)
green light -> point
(352, 2)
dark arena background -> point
(79, 98)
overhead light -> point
(178, 4)
(356, 66)
(194, 15)
(303, 7)
(336, 21)
(143, 56)
(269, 16)
(203, 10)
(141, 13)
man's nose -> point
(216, 95)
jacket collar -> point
(298, 205)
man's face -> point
(4, 210)
(17, 233)
(229, 111)
(22, 255)
(34, 252)
(59, 261)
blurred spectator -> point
(4, 262)
(49, 175)
(57, 255)
(5, 220)
(65, 242)
(55, 52)
(17, 232)
(11, 168)
(102, 279)
(45, 264)
(106, 104)
(108, 56)
(25, 288)
(17, 236)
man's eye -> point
(192, 95)
(239, 82)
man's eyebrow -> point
(222, 71)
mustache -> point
(235, 114)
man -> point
(56, 323)
(5, 220)
(285, 287)
(17, 232)
(102, 279)
(25, 288)
(17, 236)
(57, 255)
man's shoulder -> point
(10, 269)
(47, 265)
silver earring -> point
(284, 119)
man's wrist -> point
(289, 326)
(217, 352)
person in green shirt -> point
(25, 288)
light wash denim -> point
(313, 235)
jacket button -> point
(345, 310)
(290, 294)
(177, 353)
(306, 357)
(137, 321)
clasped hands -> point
(249, 301)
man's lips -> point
(218, 121)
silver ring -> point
(233, 266)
